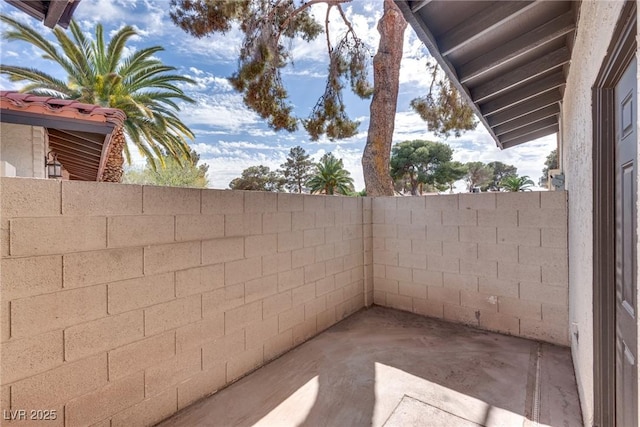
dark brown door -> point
(626, 240)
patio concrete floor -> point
(384, 367)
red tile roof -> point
(83, 153)
(68, 108)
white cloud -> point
(410, 126)
(225, 111)
(213, 48)
(304, 72)
(139, 36)
(249, 145)
(266, 132)
(147, 17)
(206, 82)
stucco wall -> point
(595, 29)
(497, 261)
(128, 303)
(24, 147)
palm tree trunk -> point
(113, 169)
(386, 81)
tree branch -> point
(346, 21)
(326, 29)
(304, 7)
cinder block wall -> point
(497, 261)
(123, 304)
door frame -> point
(620, 53)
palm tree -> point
(99, 73)
(330, 177)
(517, 183)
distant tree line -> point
(298, 174)
(425, 166)
(417, 167)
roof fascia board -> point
(31, 119)
(105, 154)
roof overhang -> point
(508, 59)
(80, 134)
(50, 12)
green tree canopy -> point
(331, 177)
(103, 73)
(499, 171)
(419, 161)
(258, 178)
(447, 175)
(268, 28)
(551, 162)
(478, 174)
(517, 183)
(297, 169)
(172, 174)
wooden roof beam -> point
(54, 12)
(419, 4)
(88, 172)
(77, 141)
(480, 24)
(67, 159)
(517, 47)
(551, 110)
(541, 101)
(61, 148)
(521, 74)
(530, 137)
(31, 8)
(522, 94)
(528, 129)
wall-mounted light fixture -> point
(54, 167)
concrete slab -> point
(384, 367)
(413, 412)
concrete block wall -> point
(122, 304)
(496, 261)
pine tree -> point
(297, 169)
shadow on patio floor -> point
(383, 367)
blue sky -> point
(229, 137)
